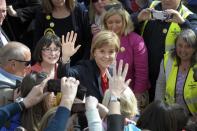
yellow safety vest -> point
(174, 28)
(190, 86)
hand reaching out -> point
(117, 83)
(36, 94)
(69, 88)
(68, 45)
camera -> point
(54, 86)
(160, 15)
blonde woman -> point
(92, 73)
(133, 49)
(128, 108)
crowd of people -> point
(98, 65)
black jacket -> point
(88, 73)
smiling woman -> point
(117, 19)
(176, 82)
(62, 16)
(47, 54)
(92, 73)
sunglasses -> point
(113, 6)
(27, 63)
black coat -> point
(88, 73)
(78, 21)
(21, 28)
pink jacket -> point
(136, 56)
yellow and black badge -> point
(49, 31)
(48, 17)
(165, 30)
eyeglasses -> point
(48, 50)
(27, 63)
(113, 6)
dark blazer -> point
(21, 28)
(4, 34)
(88, 73)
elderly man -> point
(3, 37)
(159, 35)
(14, 64)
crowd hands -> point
(123, 106)
(96, 113)
(69, 87)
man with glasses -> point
(14, 64)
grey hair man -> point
(14, 64)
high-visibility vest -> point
(173, 29)
(190, 86)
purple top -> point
(180, 89)
(135, 55)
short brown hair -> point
(46, 41)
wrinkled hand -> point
(176, 16)
(68, 45)
(117, 82)
(36, 94)
(145, 14)
(91, 103)
(11, 11)
(69, 88)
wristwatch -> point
(114, 99)
(20, 102)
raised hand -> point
(117, 83)
(68, 45)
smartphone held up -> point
(160, 15)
